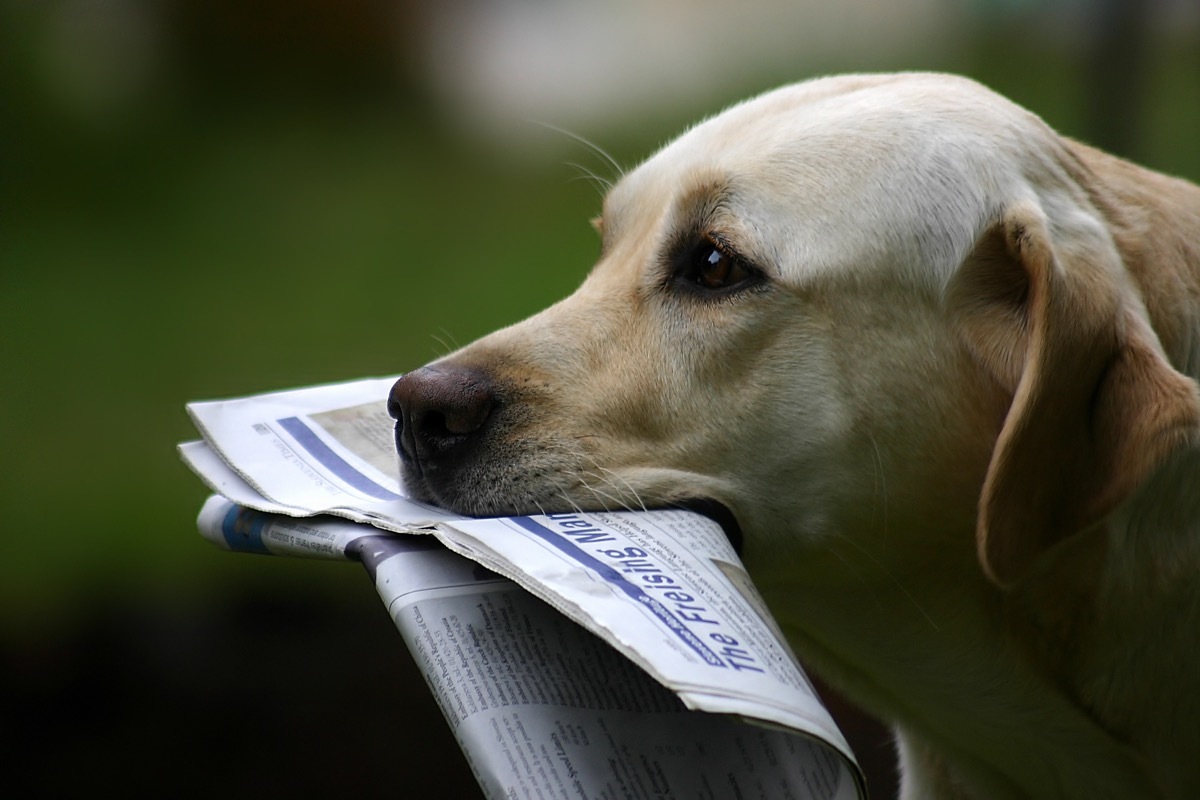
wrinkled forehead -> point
(865, 177)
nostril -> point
(436, 424)
(395, 408)
(464, 419)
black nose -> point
(439, 412)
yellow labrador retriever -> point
(940, 364)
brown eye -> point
(717, 270)
(708, 266)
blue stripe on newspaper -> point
(614, 577)
(333, 462)
(242, 529)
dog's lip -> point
(718, 512)
(406, 448)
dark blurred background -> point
(209, 198)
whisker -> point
(603, 185)
(857, 574)
(895, 581)
(446, 340)
(574, 506)
(620, 485)
(880, 483)
(618, 170)
(612, 479)
(602, 497)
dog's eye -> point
(710, 266)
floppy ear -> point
(1095, 407)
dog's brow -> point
(703, 200)
(711, 208)
(698, 209)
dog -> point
(940, 364)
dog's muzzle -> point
(441, 413)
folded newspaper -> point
(574, 655)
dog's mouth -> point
(719, 513)
(446, 418)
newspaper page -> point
(667, 590)
(664, 589)
(221, 478)
(321, 450)
(241, 529)
(541, 707)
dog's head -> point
(852, 304)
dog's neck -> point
(937, 653)
(1133, 622)
(1084, 636)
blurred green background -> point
(209, 199)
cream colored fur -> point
(957, 420)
